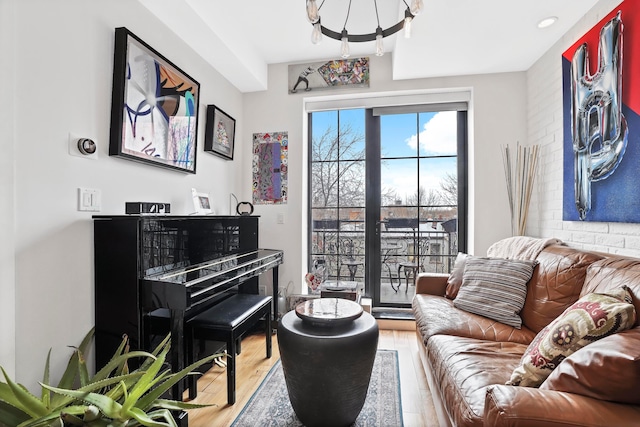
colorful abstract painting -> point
(154, 107)
(270, 152)
(601, 131)
(338, 73)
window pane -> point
(352, 135)
(399, 181)
(438, 181)
(397, 136)
(324, 186)
(438, 134)
(324, 135)
(352, 183)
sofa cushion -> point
(591, 318)
(465, 367)
(436, 315)
(608, 369)
(555, 285)
(495, 288)
(611, 273)
(455, 278)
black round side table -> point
(327, 348)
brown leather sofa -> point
(468, 358)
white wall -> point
(497, 115)
(64, 64)
(7, 244)
(544, 104)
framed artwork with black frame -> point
(220, 133)
(154, 107)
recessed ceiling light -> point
(547, 22)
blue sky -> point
(400, 133)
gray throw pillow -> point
(495, 288)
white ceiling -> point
(450, 37)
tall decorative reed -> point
(520, 173)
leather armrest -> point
(532, 407)
(431, 283)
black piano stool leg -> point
(231, 370)
(267, 330)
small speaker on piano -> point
(147, 208)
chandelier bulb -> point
(316, 34)
(312, 11)
(416, 6)
(344, 48)
(379, 43)
(407, 27)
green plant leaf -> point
(166, 342)
(47, 420)
(69, 375)
(10, 415)
(86, 341)
(97, 386)
(148, 400)
(175, 405)
(107, 406)
(145, 383)
(83, 373)
(149, 419)
(8, 397)
(73, 367)
(122, 348)
(116, 361)
(46, 394)
(29, 403)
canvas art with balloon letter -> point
(601, 129)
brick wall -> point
(544, 117)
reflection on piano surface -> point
(179, 265)
(200, 282)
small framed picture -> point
(201, 202)
(220, 133)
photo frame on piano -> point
(201, 203)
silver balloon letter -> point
(596, 108)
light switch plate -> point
(89, 199)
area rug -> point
(270, 405)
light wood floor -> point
(252, 366)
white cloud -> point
(439, 135)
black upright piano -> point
(148, 267)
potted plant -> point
(114, 396)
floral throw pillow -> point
(592, 317)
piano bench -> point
(227, 322)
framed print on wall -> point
(154, 107)
(270, 170)
(220, 133)
(601, 126)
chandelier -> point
(313, 14)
